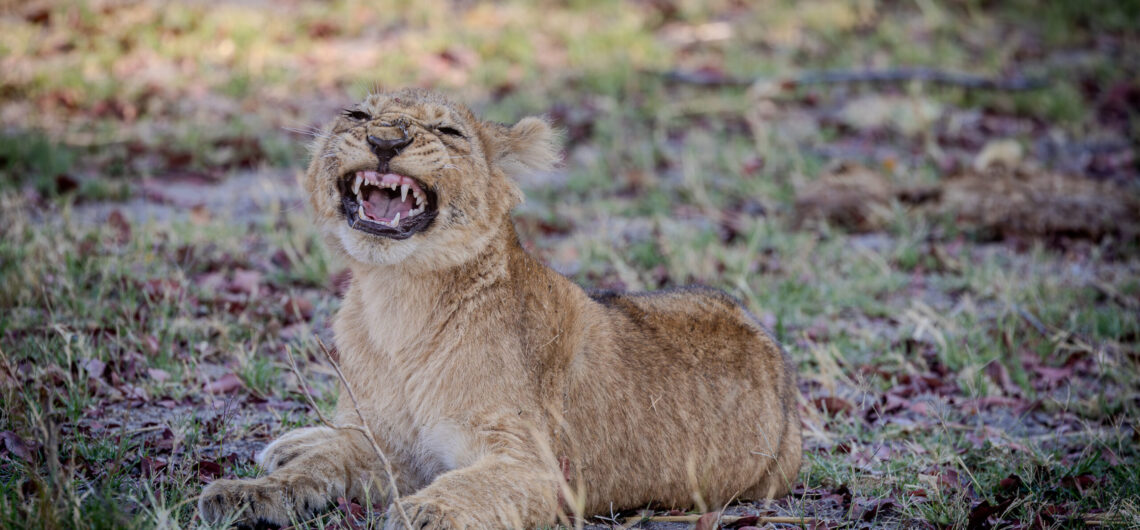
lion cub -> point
(503, 394)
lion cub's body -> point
(504, 394)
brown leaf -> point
(226, 384)
(199, 214)
(297, 309)
(150, 467)
(871, 508)
(157, 374)
(833, 405)
(744, 523)
(1050, 375)
(18, 446)
(245, 281)
(1079, 482)
(350, 508)
(94, 368)
(1000, 375)
(158, 288)
(121, 225)
(980, 514)
(708, 521)
(208, 470)
(1011, 482)
(151, 343)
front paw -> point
(423, 514)
(258, 502)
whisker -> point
(308, 131)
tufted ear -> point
(529, 145)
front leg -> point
(498, 491)
(306, 470)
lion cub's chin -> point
(372, 250)
(430, 251)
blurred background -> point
(933, 204)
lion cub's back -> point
(689, 325)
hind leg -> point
(782, 476)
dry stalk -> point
(574, 500)
(363, 428)
(727, 519)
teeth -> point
(360, 212)
(403, 192)
(395, 220)
(356, 185)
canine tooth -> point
(360, 211)
(396, 220)
(356, 185)
(403, 192)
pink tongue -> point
(378, 207)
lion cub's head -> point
(410, 177)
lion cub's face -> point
(409, 177)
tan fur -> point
(489, 378)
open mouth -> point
(387, 204)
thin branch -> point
(892, 75)
(305, 389)
(363, 428)
(1032, 321)
(724, 520)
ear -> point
(528, 146)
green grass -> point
(111, 336)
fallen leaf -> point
(981, 512)
(297, 308)
(150, 467)
(208, 470)
(18, 446)
(870, 508)
(1079, 482)
(226, 384)
(158, 374)
(833, 405)
(94, 368)
(1012, 482)
(199, 214)
(708, 521)
(350, 508)
(245, 281)
(117, 221)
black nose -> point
(386, 149)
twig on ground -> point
(893, 75)
(726, 519)
(1032, 321)
(363, 428)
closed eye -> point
(450, 131)
(357, 115)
